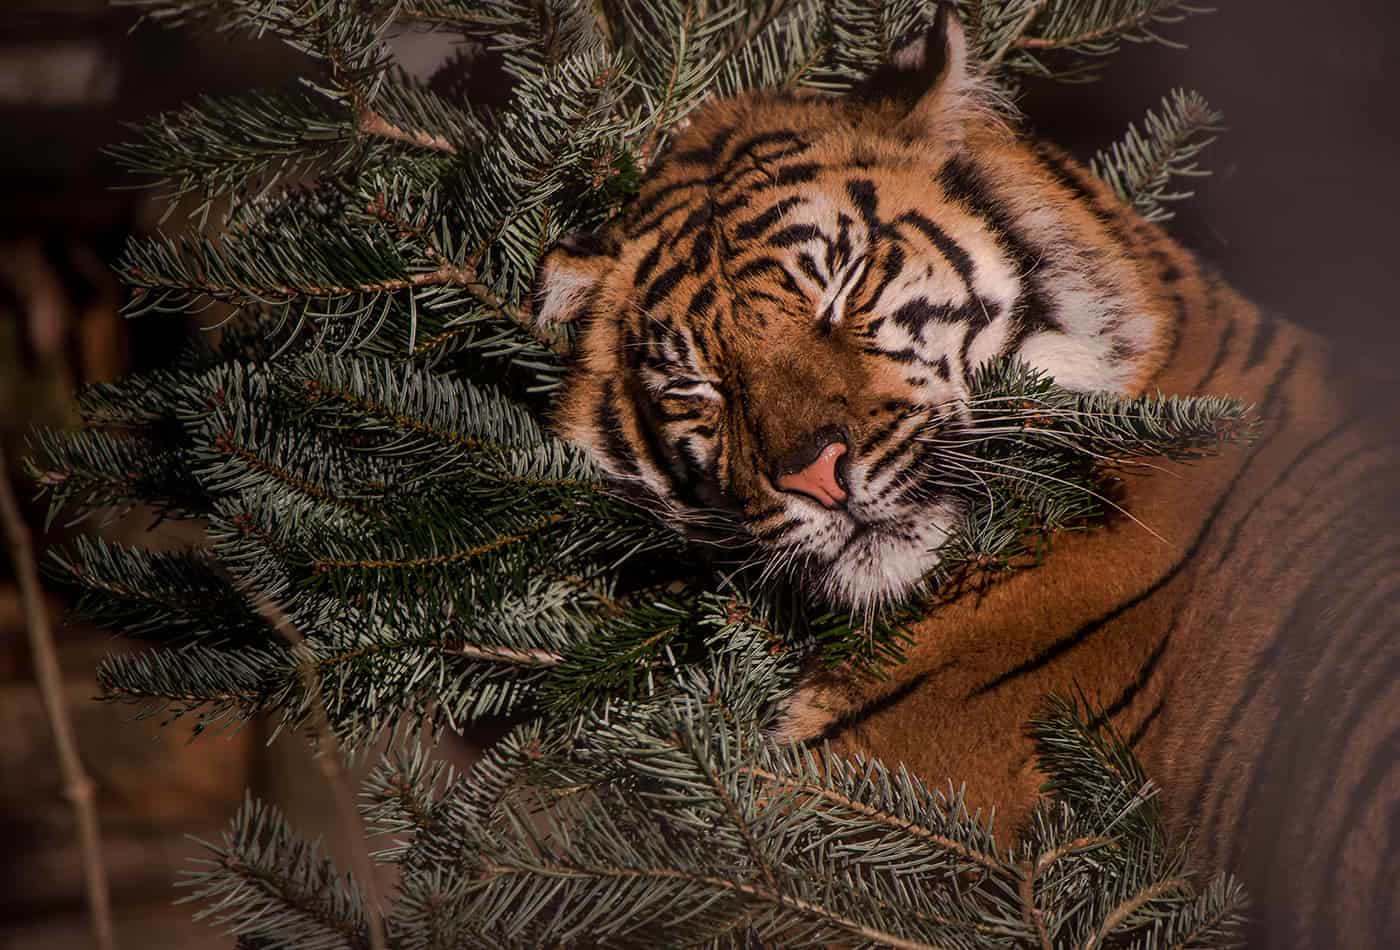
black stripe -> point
(1137, 734)
(710, 152)
(885, 461)
(794, 234)
(701, 300)
(915, 315)
(796, 174)
(697, 219)
(664, 284)
(891, 268)
(1179, 308)
(808, 265)
(1222, 347)
(1264, 335)
(648, 264)
(880, 436)
(838, 253)
(607, 421)
(1076, 637)
(774, 532)
(963, 182)
(959, 258)
(862, 194)
(1074, 179)
(755, 226)
(1144, 674)
(748, 146)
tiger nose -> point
(818, 478)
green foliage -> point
(1141, 165)
(1065, 41)
(678, 822)
(1031, 458)
(362, 443)
(263, 880)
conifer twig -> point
(1088, 36)
(1017, 35)
(370, 122)
(328, 758)
(78, 787)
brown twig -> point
(1031, 13)
(370, 122)
(1029, 910)
(507, 655)
(808, 909)
(1089, 36)
(466, 276)
(328, 758)
(1126, 909)
(78, 788)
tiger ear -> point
(937, 62)
(568, 275)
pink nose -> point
(818, 480)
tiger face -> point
(773, 339)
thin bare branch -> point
(78, 787)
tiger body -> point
(804, 278)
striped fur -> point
(798, 264)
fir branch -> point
(327, 754)
(231, 147)
(1115, 20)
(264, 882)
(455, 558)
(86, 472)
(1140, 166)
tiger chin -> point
(797, 301)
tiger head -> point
(770, 341)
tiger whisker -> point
(1030, 476)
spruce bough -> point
(362, 441)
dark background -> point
(1300, 214)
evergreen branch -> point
(507, 655)
(1127, 908)
(901, 825)
(770, 897)
(472, 553)
(327, 755)
(1125, 24)
(224, 445)
(263, 881)
(237, 147)
(78, 788)
(1016, 36)
(1139, 166)
(89, 471)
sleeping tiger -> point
(805, 285)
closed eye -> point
(690, 389)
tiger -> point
(806, 283)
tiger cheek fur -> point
(799, 296)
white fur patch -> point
(562, 293)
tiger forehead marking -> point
(772, 339)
